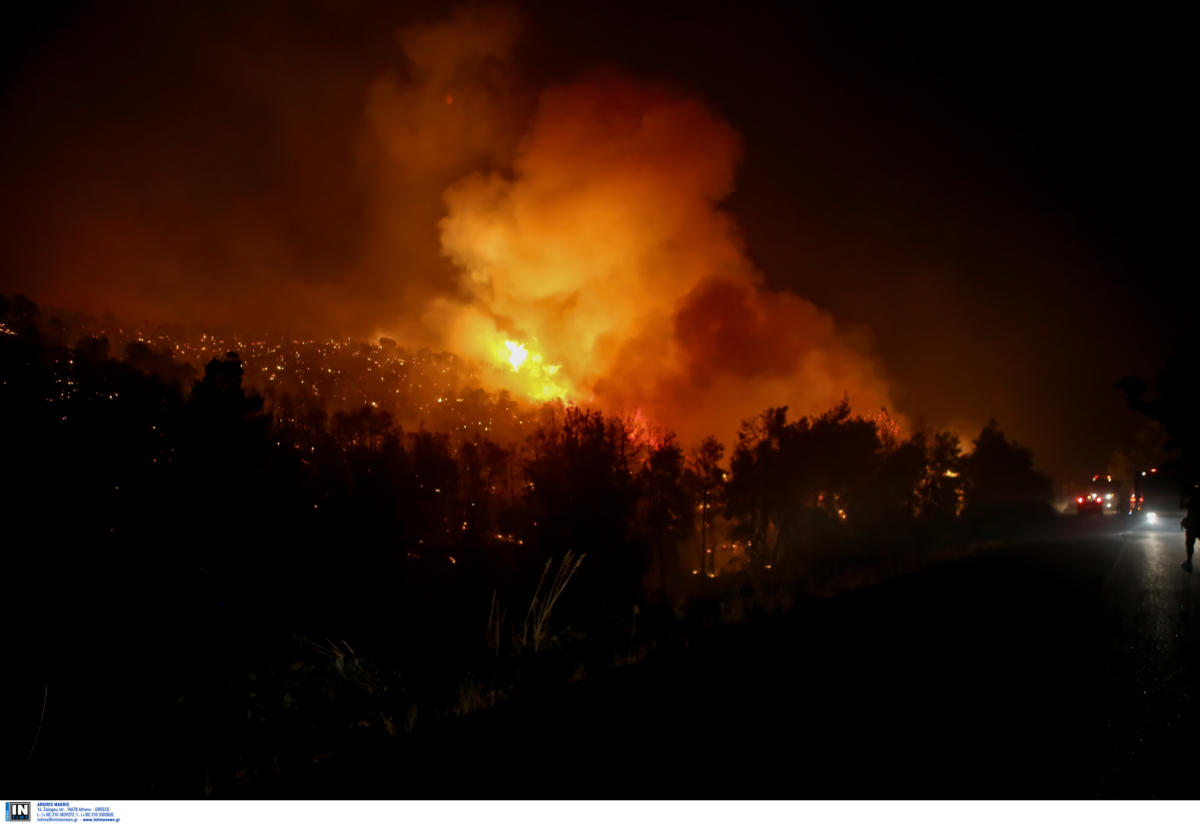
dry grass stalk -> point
(537, 617)
(495, 624)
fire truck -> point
(1102, 495)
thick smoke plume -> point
(604, 249)
(352, 178)
(453, 108)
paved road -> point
(1062, 666)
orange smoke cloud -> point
(603, 251)
(453, 107)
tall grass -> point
(535, 630)
(495, 625)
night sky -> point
(995, 203)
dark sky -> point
(998, 199)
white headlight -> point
(1151, 517)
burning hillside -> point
(596, 265)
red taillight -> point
(1081, 500)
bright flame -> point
(537, 379)
(517, 354)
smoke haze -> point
(429, 195)
(684, 208)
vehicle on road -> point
(1102, 495)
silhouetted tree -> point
(663, 516)
(706, 480)
(435, 473)
(902, 473)
(580, 498)
(1001, 478)
(940, 498)
(759, 486)
(1175, 405)
(843, 455)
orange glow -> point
(601, 269)
(529, 374)
(571, 243)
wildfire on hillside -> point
(600, 267)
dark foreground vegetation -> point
(1059, 665)
(209, 591)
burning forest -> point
(256, 504)
(381, 384)
(573, 236)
